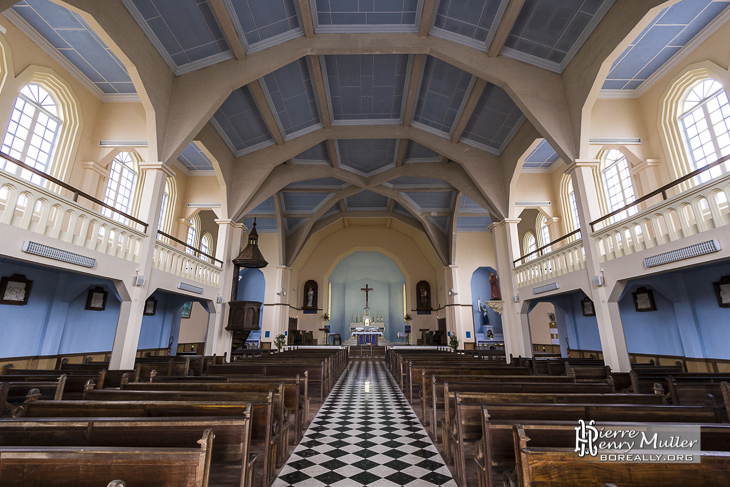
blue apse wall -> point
(581, 331)
(383, 275)
(480, 288)
(251, 287)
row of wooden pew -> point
(169, 429)
(514, 424)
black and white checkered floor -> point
(365, 434)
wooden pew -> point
(74, 386)
(265, 435)
(588, 373)
(64, 466)
(315, 372)
(548, 467)
(467, 424)
(232, 435)
(495, 456)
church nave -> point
(365, 434)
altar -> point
(367, 327)
(366, 335)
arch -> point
(206, 246)
(193, 237)
(6, 61)
(543, 231)
(123, 185)
(529, 244)
(167, 208)
(616, 183)
(568, 205)
(480, 294)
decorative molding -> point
(497, 306)
(95, 167)
(159, 166)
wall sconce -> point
(452, 292)
(281, 293)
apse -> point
(480, 294)
(379, 272)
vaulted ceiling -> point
(366, 131)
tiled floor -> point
(365, 434)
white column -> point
(124, 349)
(453, 313)
(228, 246)
(610, 328)
(507, 248)
(281, 310)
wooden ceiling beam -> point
(229, 31)
(469, 106)
(505, 26)
(266, 112)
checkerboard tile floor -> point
(365, 434)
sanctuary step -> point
(352, 342)
(364, 351)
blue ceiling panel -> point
(474, 20)
(366, 87)
(184, 31)
(367, 156)
(467, 205)
(67, 32)
(262, 23)
(326, 183)
(495, 120)
(416, 152)
(543, 157)
(365, 15)
(441, 222)
(367, 200)
(402, 209)
(194, 159)
(293, 96)
(332, 210)
(664, 37)
(240, 123)
(443, 88)
(315, 155)
(293, 223)
(412, 182)
(263, 225)
(268, 207)
(432, 200)
(302, 202)
(473, 223)
(552, 31)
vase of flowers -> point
(279, 341)
(454, 342)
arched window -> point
(32, 132)
(167, 207)
(617, 180)
(543, 233)
(529, 244)
(206, 246)
(193, 239)
(705, 121)
(575, 220)
(120, 186)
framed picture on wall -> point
(15, 290)
(587, 307)
(187, 308)
(644, 300)
(150, 306)
(96, 299)
(722, 291)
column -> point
(453, 313)
(228, 246)
(647, 178)
(507, 248)
(281, 310)
(124, 349)
(556, 231)
(610, 327)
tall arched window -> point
(573, 207)
(193, 239)
(529, 244)
(32, 132)
(120, 186)
(543, 233)
(206, 246)
(617, 180)
(705, 121)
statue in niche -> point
(494, 289)
(310, 295)
(423, 292)
(483, 310)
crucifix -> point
(367, 290)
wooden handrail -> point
(197, 251)
(662, 190)
(76, 192)
(546, 246)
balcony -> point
(191, 264)
(537, 267)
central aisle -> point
(365, 434)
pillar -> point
(507, 249)
(647, 178)
(453, 313)
(95, 175)
(124, 349)
(605, 301)
(281, 308)
(228, 246)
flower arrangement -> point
(279, 341)
(407, 317)
(454, 342)
(325, 317)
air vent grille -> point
(684, 253)
(189, 287)
(58, 254)
(547, 287)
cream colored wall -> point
(539, 323)
(192, 330)
(473, 250)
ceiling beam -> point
(266, 111)
(412, 91)
(320, 87)
(229, 31)
(281, 225)
(305, 18)
(469, 106)
(402, 147)
(505, 27)
(427, 14)
(332, 152)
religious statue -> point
(423, 291)
(493, 287)
(483, 311)
(310, 295)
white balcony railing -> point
(566, 259)
(180, 263)
(697, 210)
(31, 207)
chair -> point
(336, 339)
(403, 335)
(308, 338)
